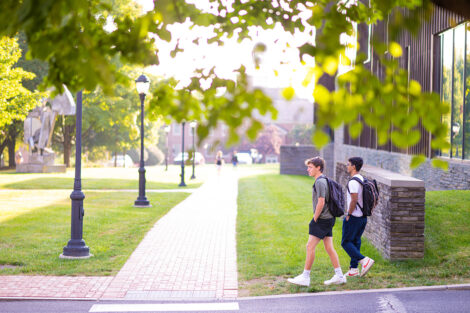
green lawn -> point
(272, 230)
(106, 178)
(35, 226)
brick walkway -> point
(190, 253)
(53, 287)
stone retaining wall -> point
(396, 227)
(293, 157)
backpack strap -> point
(360, 182)
(327, 183)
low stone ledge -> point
(396, 227)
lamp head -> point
(142, 84)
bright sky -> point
(233, 54)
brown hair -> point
(317, 162)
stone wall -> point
(457, 177)
(293, 158)
(396, 227)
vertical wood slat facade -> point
(422, 58)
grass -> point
(106, 178)
(272, 230)
(34, 230)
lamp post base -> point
(76, 249)
(62, 256)
(193, 177)
(142, 203)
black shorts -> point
(322, 228)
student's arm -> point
(321, 189)
(319, 208)
(353, 203)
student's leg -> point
(304, 278)
(330, 249)
(362, 226)
(338, 278)
(351, 230)
(311, 245)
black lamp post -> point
(167, 131)
(76, 247)
(193, 127)
(182, 184)
(142, 84)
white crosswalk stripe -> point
(166, 307)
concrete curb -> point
(46, 298)
(343, 292)
(294, 295)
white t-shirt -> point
(355, 187)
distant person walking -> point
(320, 227)
(234, 159)
(355, 222)
(219, 160)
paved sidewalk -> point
(190, 253)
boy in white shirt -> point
(355, 222)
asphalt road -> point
(368, 302)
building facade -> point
(294, 112)
(439, 59)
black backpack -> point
(370, 195)
(336, 201)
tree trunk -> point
(115, 159)
(3, 145)
(11, 151)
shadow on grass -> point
(112, 229)
(91, 183)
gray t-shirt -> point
(321, 185)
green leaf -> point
(355, 129)
(288, 93)
(415, 88)
(320, 138)
(395, 49)
(444, 165)
(321, 95)
(416, 161)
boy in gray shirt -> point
(320, 227)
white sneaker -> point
(335, 280)
(301, 280)
(352, 272)
(366, 265)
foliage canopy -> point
(72, 36)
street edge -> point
(293, 295)
(383, 290)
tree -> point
(15, 100)
(72, 37)
(269, 141)
(301, 133)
